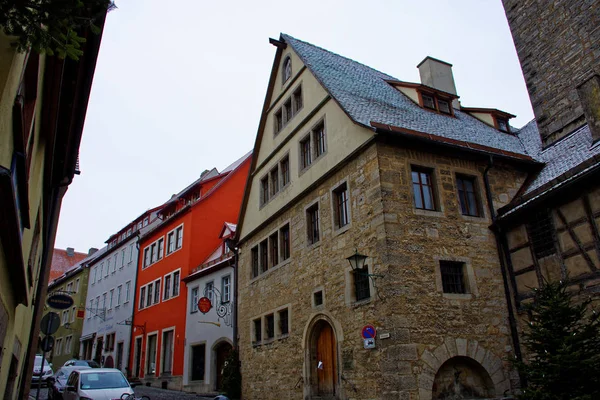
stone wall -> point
(557, 44)
(423, 327)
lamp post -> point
(357, 261)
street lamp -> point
(357, 261)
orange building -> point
(192, 221)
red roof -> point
(62, 261)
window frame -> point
(194, 298)
(313, 236)
(341, 187)
(169, 292)
(226, 289)
(286, 73)
(460, 178)
(433, 193)
(159, 245)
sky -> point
(179, 86)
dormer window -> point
(444, 106)
(502, 124)
(436, 102)
(287, 69)
(428, 101)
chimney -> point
(438, 74)
(92, 250)
(70, 251)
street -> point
(153, 393)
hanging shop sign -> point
(60, 301)
(204, 305)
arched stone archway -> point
(462, 378)
(469, 357)
(322, 373)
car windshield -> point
(103, 380)
(38, 361)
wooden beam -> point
(584, 253)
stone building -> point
(351, 161)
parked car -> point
(89, 363)
(38, 373)
(97, 384)
(58, 381)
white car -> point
(38, 373)
(96, 384)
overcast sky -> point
(179, 86)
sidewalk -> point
(166, 394)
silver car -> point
(96, 384)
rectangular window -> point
(149, 294)
(278, 121)
(297, 100)
(167, 294)
(77, 285)
(209, 290)
(226, 289)
(264, 190)
(444, 106)
(97, 304)
(502, 124)
(467, 195)
(284, 236)
(146, 257)
(319, 139)
(423, 193)
(175, 283)
(167, 352)
(257, 330)
(305, 158)
(142, 297)
(91, 309)
(453, 278)
(161, 248)
(156, 291)
(146, 221)
(170, 242)
(274, 176)
(65, 317)
(540, 230)
(119, 292)
(73, 313)
(255, 263)
(114, 269)
(127, 287)
(264, 256)
(341, 215)
(287, 107)
(131, 252)
(198, 362)
(285, 171)
(104, 301)
(270, 326)
(194, 299)
(179, 237)
(428, 101)
(110, 301)
(361, 284)
(107, 267)
(312, 223)
(284, 325)
(274, 249)
(154, 251)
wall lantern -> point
(357, 261)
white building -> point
(209, 336)
(110, 299)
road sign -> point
(60, 301)
(368, 332)
(204, 305)
(50, 323)
(370, 343)
(47, 343)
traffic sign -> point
(368, 332)
(204, 305)
(50, 323)
(369, 343)
(47, 343)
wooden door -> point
(222, 353)
(326, 361)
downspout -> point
(232, 244)
(500, 248)
(133, 303)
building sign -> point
(60, 301)
(80, 313)
(204, 305)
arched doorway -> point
(221, 352)
(323, 361)
(462, 378)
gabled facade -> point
(350, 160)
(43, 102)
(73, 283)
(187, 235)
(111, 291)
(209, 336)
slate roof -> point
(366, 97)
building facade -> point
(73, 283)
(109, 306)
(39, 142)
(189, 232)
(209, 334)
(351, 161)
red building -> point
(192, 221)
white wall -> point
(200, 332)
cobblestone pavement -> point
(33, 392)
(163, 394)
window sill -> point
(343, 229)
(458, 296)
(312, 162)
(275, 268)
(359, 303)
(428, 213)
(170, 298)
(473, 218)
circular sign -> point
(50, 323)
(60, 301)
(204, 305)
(368, 332)
(47, 343)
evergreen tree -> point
(51, 26)
(563, 346)
(232, 376)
